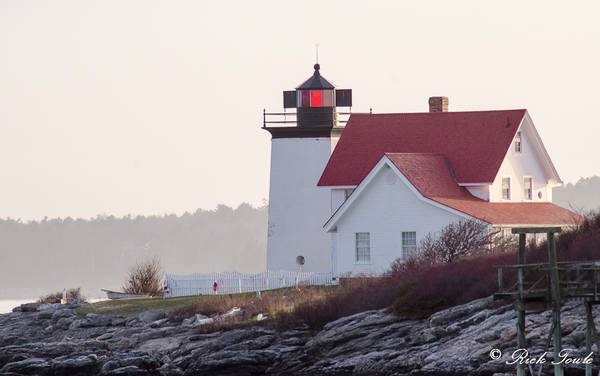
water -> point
(6, 305)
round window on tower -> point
(300, 260)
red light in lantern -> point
(316, 98)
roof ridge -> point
(437, 113)
(420, 153)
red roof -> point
(431, 175)
(474, 143)
(513, 213)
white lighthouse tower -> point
(297, 207)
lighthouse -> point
(301, 143)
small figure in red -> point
(215, 287)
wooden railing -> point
(577, 280)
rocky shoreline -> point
(54, 340)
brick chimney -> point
(438, 104)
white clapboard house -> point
(352, 199)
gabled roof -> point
(430, 177)
(316, 81)
(429, 173)
(513, 213)
(475, 143)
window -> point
(409, 243)
(518, 147)
(363, 247)
(527, 188)
(327, 98)
(305, 98)
(316, 98)
(506, 188)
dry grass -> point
(312, 305)
(134, 306)
(269, 302)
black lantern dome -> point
(315, 101)
(316, 81)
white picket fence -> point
(234, 282)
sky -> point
(153, 107)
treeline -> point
(38, 257)
(583, 196)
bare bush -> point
(73, 295)
(459, 240)
(145, 278)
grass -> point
(286, 307)
(208, 304)
(132, 307)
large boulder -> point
(27, 307)
(152, 315)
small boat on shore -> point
(122, 295)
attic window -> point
(518, 146)
(528, 188)
(506, 188)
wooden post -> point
(588, 335)
(500, 282)
(595, 281)
(521, 343)
(555, 286)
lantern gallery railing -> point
(291, 117)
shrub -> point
(461, 239)
(428, 288)
(73, 295)
(144, 278)
(362, 294)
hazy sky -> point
(151, 107)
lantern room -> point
(315, 101)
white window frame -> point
(365, 260)
(519, 143)
(408, 250)
(509, 188)
(530, 198)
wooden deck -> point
(577, 280)
(552, 283)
